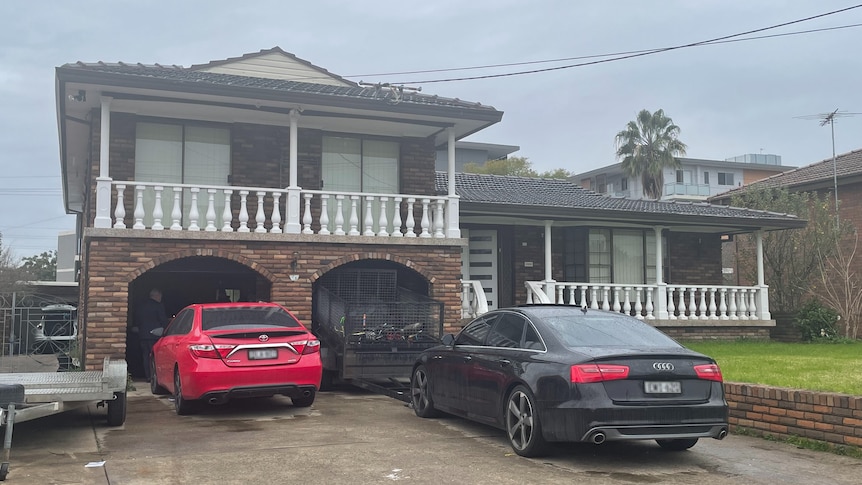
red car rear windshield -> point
(245, 318)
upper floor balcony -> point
(236, 209)
(689, 190)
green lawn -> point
(814, 366)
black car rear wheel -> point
(522, 423)
(677, 445)
(181, 405)
(420, 394)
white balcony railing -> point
(185, 207)
(473, 299)
(680, 302)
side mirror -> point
(157, 332)
(448, 340)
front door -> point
(479, 262)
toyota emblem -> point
(265, 337)
(662, 366)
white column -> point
(661, 295)
(453, 228)
(291, 221)
(549, 281)
(763, 294)
(103, 181)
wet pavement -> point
(352, 436)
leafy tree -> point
(559, 173)
(516, 166)
(647, 145)
(11, 275)
(791, 257)
(41, 267)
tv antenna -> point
(829, 119)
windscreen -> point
(246, 317)
(575, 329)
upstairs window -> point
(725, 178)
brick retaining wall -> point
(780, 412)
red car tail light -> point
(206, 351)
(312, 347)
(709, 372)
(586, 373)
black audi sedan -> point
(553, 373)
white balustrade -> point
(120, 210)
(473, 299)
(322, 213)
(683, 302)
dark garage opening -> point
(197, 279)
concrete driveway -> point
(352, 436)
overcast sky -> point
(728, 99)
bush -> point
(817, 322)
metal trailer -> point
(373, 343)
(31, 395)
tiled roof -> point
(193, 75)
(562, 194)
(846, 165)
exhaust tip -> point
(722, 434)
(306, 393)
(598, 438)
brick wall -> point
(782, 413)
(694, 259)
(707, 332)
(112, 263)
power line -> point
(594, 56)
(639, 54)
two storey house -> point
(265, 177)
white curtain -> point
(356, 165)
(628, 256)
(172, 153)
(207, 162)
(158, 158)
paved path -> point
(355, 437)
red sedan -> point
(215, 352)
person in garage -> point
(149, 317)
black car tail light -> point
(587, 373)
(709, 372)
(312, 347)
(208, 351)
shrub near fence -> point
(784, 413)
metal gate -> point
(37, 332)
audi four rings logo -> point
(662, 366)
(265, 337)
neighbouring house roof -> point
(558, 199)
(847, 168)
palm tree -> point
(647, 146)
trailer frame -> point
(32, 395)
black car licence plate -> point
(662, 387)
(262, 354)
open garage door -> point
(197, 279)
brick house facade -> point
(285, 224)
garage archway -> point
(187, 280)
